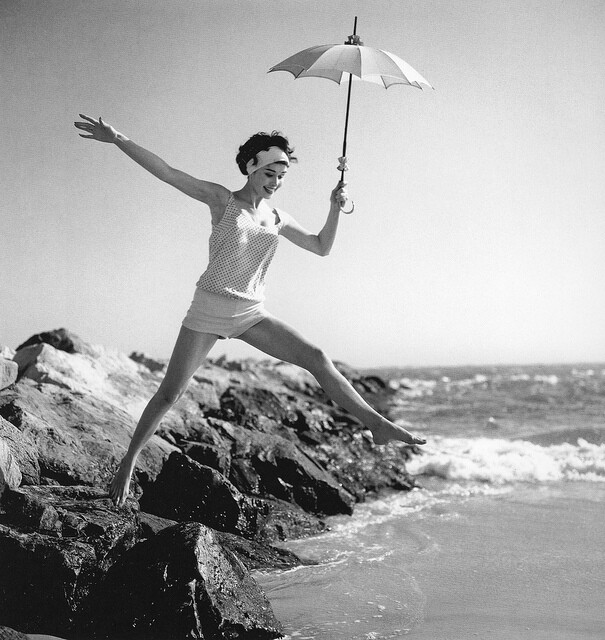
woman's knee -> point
(169, 396)
(315, 359)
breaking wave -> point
(499, 462)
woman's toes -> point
(390, 432)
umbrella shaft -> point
(344, 142)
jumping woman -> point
(228, 299)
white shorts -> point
(225, 317)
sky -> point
(479, 228)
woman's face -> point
(269, 179)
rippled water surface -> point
(454, 562)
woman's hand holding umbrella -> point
(339, 196)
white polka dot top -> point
(240, 252)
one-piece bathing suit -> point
(229, 295)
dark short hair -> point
(262, 141)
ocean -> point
(504, 539)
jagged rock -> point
(8, 372)
(268, 406)
(151, 524)
(187, 420)
(79, 438)
(6, 352)
(253, 407)
(110, 376)
(245, 364)
(268, 465)
(117, 380)
(10, 474)
(216, 456)
(61, 339)
(45, 580)
(55, 544)
(254, 555)
(24, 451)
(280, 520)
(151, 363)
(186, 490)
(373, 384)
(292, 377)
(364, 384)
(220, 379)
(361, 467)
(180, 584)
(82, 513)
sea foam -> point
(499, 461)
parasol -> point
(337, 61)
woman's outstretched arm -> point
(207, 192)
(320, 243)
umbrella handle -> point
(342, 167)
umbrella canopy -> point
(351, 59)
(334, 61)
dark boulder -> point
(45, 581)
(258, 408)
(76, 513)
(281, 520)
(270, 465)
(254, 555)
(55, 544)
(186, 490)
(182, 583)
(151, 525)
(61, 339)
(150, 363)
(211, 455)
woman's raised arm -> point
(320, 243)
(207, 192)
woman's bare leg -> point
(277, 339)
(190, 351)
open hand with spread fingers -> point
(96, 129)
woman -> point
(228, 301)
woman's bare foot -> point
(387, 431)
(120, 485)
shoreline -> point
(517, 564)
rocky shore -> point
(252, 455)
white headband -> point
(271, 155)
